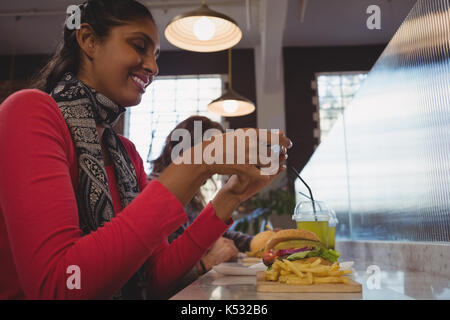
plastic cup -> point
(332, 223)
(313, 216)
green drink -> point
(320, 228)
(332, 223)
(316, 217)
(331, 237)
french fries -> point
(306, 273)
(294, 269)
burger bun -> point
(290, 234)
(258, 243)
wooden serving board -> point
(275, 286)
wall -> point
(24, 67)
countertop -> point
(394, 284)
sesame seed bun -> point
(291, 234)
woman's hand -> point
(238, 189)
(222, 250)
(243, 187)
(250, 152)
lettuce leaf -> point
(298, 255)
(327, 254)
(330, 255)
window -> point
(168, 101)
(335, 91)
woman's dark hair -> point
(102, 16)
(164, 159)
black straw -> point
(309, 189)
(305, 195)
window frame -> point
(316, 102)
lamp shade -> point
(231, 104)
(203, 30)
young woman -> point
(77, 217)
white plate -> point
(237, 269)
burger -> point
(258, 243)
(297, 244)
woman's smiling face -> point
(123, 64)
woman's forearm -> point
(184, 180)
(224, 204)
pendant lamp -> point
(231, 104)
(203, 30)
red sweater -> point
(39, 233)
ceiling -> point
(325, 22)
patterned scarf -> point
(82, 108)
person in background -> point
(226, 247)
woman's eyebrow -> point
(147, 38)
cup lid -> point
(311, 211)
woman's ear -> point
(87, 40)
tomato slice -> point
(269, 257)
